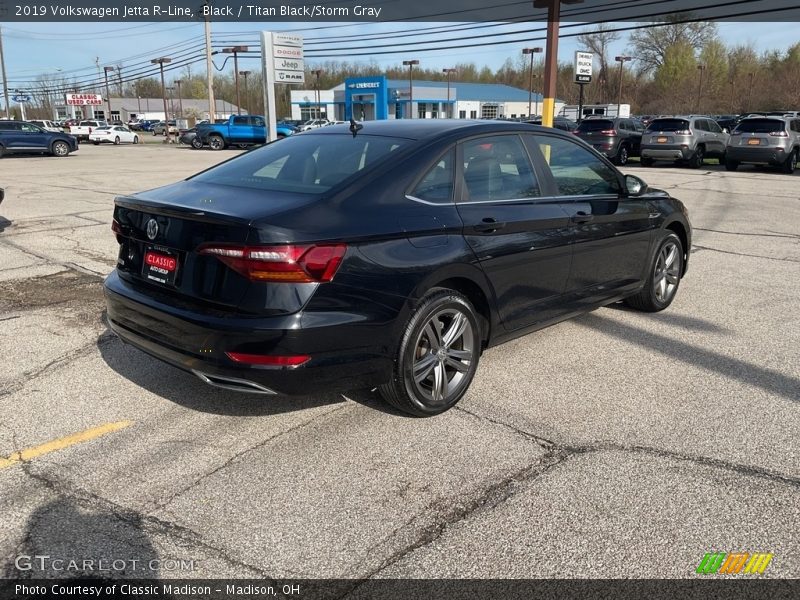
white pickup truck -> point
(84, 128)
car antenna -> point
(355, 127)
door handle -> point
(581, 217)
(489, 225)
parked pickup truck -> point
(82, 130)
(237, 130)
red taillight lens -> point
(293, 264)
(778, 134)
(608, 132)
(115, 227)
(684, 132)
(266, 359)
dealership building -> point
(125, 109)
(371, 98)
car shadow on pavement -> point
(671, 318)
(4, 223)
(66, 540)
(185, 389)
(768, 380)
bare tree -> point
(598, 42)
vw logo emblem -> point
(152, 229)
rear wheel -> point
(437, 357)
(136, 139)
(96, 143)
(60, 148)
(697, 158)
(731, 165)
(665, 277)
(116, 141)
(197, 143)
(215, 142)
(791, 163)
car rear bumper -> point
(664, 152)
(198, 342)
(760, 156)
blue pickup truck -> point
(237, 131)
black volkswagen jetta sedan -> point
(387, 254)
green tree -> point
(651, 45)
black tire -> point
(197, 143)
(96, 143)
(696, 161)
(731, 165)
(2, 151)
(59, 148)
(790, 164)
(116, 141)
(621, 159)
(215, 142)
(136, 139)
(654, 297)
(440, 314)
(646, 162)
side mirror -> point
(725, 130)
(634, 185)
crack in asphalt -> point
(794, 260)
(775, 235)
(238, 455)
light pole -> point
(531, 51)
(621, 60)
(5, 79)
(449, 111)
(107, 70)
(235, 51)
(161, 62)
(317, 92)
(701, 69)
(171, 89)
(551, 58)
(178, 82)
(410, 64)
(246, 95)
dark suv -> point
(22, 137)
(765, 141)
(617, 138)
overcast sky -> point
(33, 48)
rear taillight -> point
(684, 132)
(778, 134)
(269, 360)
(289, 263)
(115, 227)
(608, 132)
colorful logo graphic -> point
(734, 563)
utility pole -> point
(317, 93)
(5, 79)
(106, 70)
(701, 68)
(235, 51)
(449, 110)
(178, 82)
(161, 62)
(209, 68)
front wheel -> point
(437, 357)
(646, 162)
(116, 141)
(622, 156)
(697, 158)
(60, 149)
(665, 277)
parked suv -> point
(617, 138)
(765, 141)
(21, 137)
(688, 138)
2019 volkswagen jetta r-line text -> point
(389, 254)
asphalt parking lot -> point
(618, 444)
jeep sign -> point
(583, 67)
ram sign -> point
(583, 67)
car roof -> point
(419, 129)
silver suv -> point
(689, 138)
(765, 141)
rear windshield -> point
(668, 125)
(101, 128)
(595, 125)
(304, 163)
(760, 126)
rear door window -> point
(437, 184)
(498, 168)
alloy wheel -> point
(443, 354)
(667, 273)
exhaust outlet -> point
(234, 384)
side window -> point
(701, 124)
(576, 170)
(239, 121)
(258, 121)
(30, 128)
(498, 168)
(714, 126)
(437, 184)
